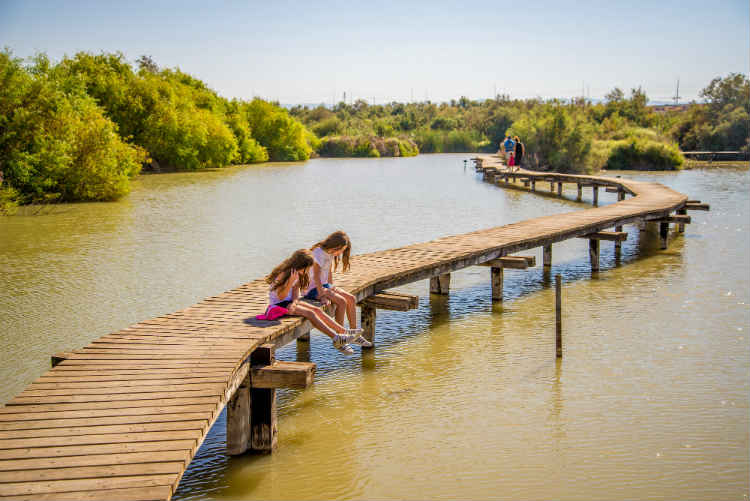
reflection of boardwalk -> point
(122, 417)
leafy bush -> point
(283, 137)
(56, 142)
(407, 148)
(329, 127)
(642, 154)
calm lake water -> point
(462, 398)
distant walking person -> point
(520, 150)
(509, 146)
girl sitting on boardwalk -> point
(327, 254)
(286, 280)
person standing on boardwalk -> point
(509, 146)
(519, 150)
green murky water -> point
(461, 398)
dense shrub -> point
(283, 137)
(56, 143)
(642, 154)
(350, 146)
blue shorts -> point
(283, 304)
(313, 294)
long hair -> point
(336, 240)
(299, 260)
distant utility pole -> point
(677, 93)
(344, 97)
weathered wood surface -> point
(393, 301)
(122, 417)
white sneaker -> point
(361, 341)
(341, 343)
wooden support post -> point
(620, 195)
(596, 195)
(533, 185)
(441, 284)
(559, 189)
(558, 316)
(497, 283)
(547, 256)
(681, 226)
(580, 192)
(304, 338)
(618, 243)
(238, 419)
(367, 321)
(594, 254)
(263, 426)
(551, 186)
(664, 234)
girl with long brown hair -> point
(327, 254)
(285, 282)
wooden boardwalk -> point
(122, 417)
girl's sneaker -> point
(341, 343)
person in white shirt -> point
(327, 253)
(285, 282)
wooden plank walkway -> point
(122, 417)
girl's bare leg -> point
(341, 308)
(312, 316)
(351, 308)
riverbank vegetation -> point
(81, 129)
(567, 136)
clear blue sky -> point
(304, 52)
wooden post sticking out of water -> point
(559, 189)
(263, 427)
(558, 316)
(533, 185)
(440, 284)
(664, 234)
(580, 192)
(547, 256)
(551, 186)
(367, 321)
(497, 283)
(681, 226)
(596, 195)
(238, 419)
(594, 253)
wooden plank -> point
(161, 492)
(612, 236)
(88, 484)
(393, 301)
(14, 407)
(103, 438)
(690, 206)
(35, 412)
(53, 424)
(77, 450)
(104, 429)
(69, 473)
(16, 465)
(283, 375)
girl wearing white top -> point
(326, 255)
(286, 280)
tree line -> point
(83, 128)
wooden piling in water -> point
(368, 316)
(440, 284)
(594, 254)
(580, 192)
(559, 189)
(547, 256)
(558, 316)
(496, 274)
(596, 195)
(681, 226)
(263, 425)
(663, 234)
